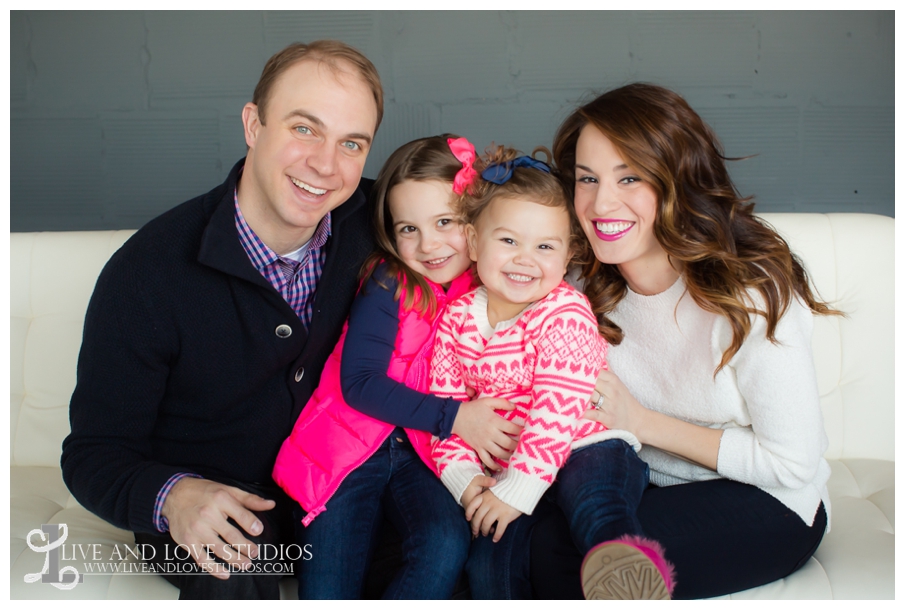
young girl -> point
(347, 467)
(527, 336)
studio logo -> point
(54, 535)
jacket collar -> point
(220, 245)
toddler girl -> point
(348, 468)
(527, 336)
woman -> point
(710, 316)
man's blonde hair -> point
(333, 53)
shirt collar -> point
(260, 254)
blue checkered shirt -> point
(296, 281)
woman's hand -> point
(619, 409)
(486, 432)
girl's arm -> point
(370, 341)
(570, 353)
(786, 439)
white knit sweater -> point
(766, 398)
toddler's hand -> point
(485, 510)
(474, 489)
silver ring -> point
(599, 404)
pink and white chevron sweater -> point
(545, 361)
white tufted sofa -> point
(850, 259)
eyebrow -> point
(516, 234)
(319, 123)
(434, 217)
(588, 169)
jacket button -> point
(283, 331)
(299, 374)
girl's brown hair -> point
(531, 184)
(420, 160)
(702, 222)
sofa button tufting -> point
(300, 373)
(283, 331)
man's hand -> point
(485, 510)
(486, 432)
(197, 511)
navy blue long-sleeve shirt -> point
(371, 338)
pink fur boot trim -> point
(654, 551)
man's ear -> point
(471, 236)
(251, 123)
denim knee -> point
(599, 490)
(610, 464)
(500, 570)
(487, 571)
(444, 545)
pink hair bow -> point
(464, 151)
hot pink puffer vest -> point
(331, 439)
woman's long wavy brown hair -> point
(420, 160)
(708, 230)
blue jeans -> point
(722, 536)
(396, 483)
(599, 489)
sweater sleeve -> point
(456, 462)
(784, 444)
(570, 355)
(122, 375)
(370, 341)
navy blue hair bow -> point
(500, 173)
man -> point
(208, 330)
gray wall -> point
(118, 116)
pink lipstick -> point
(605, 227)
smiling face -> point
(617, 208)
(309, 156)
(522, 251)
(429, 237)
